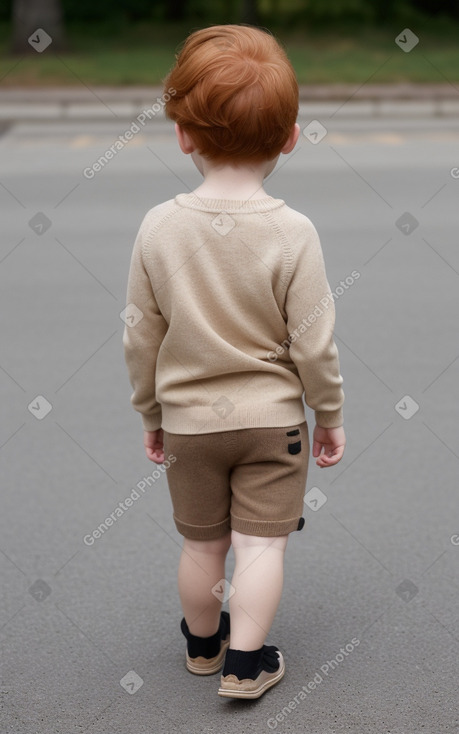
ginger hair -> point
(236, 93)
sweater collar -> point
(235, 206)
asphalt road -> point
(369, 622)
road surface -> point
(368, 622)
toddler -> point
(232, 323)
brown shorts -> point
(252, 480)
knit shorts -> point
(251, 480)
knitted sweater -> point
(229, 318)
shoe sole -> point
(229, 693)
(213, 667)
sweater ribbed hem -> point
(176, 420)
(329, 418)
(151, 423)
(233, 206)
(197, 419)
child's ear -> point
(292, 139)
(186, 144)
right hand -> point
(332, 441)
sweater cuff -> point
(329, 418)
(151, 422)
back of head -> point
(235, 93)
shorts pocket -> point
(294, 443)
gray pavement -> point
(368, 621)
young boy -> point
(233, 322)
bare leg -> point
(201, 566)
(258, 581)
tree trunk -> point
(175, 9)
(29, 16)
(250, 12)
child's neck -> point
(230, 182)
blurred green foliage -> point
(141, 53)
(279, 12)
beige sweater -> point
(229, 318)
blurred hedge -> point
(314, 12)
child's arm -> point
(310, 322)
(142, 341)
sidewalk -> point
(372, 100)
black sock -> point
(206, 647)
(249, 664)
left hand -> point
(332, 441)
(154, 447)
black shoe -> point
(269, 672)
(207, 663)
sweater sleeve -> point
(143, 333)
(310, 322)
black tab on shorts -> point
(300, 523)
(294, 448)
(293, 433)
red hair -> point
(236, 93)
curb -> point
(125, 103)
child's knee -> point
(217, 546)
(241, 540)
